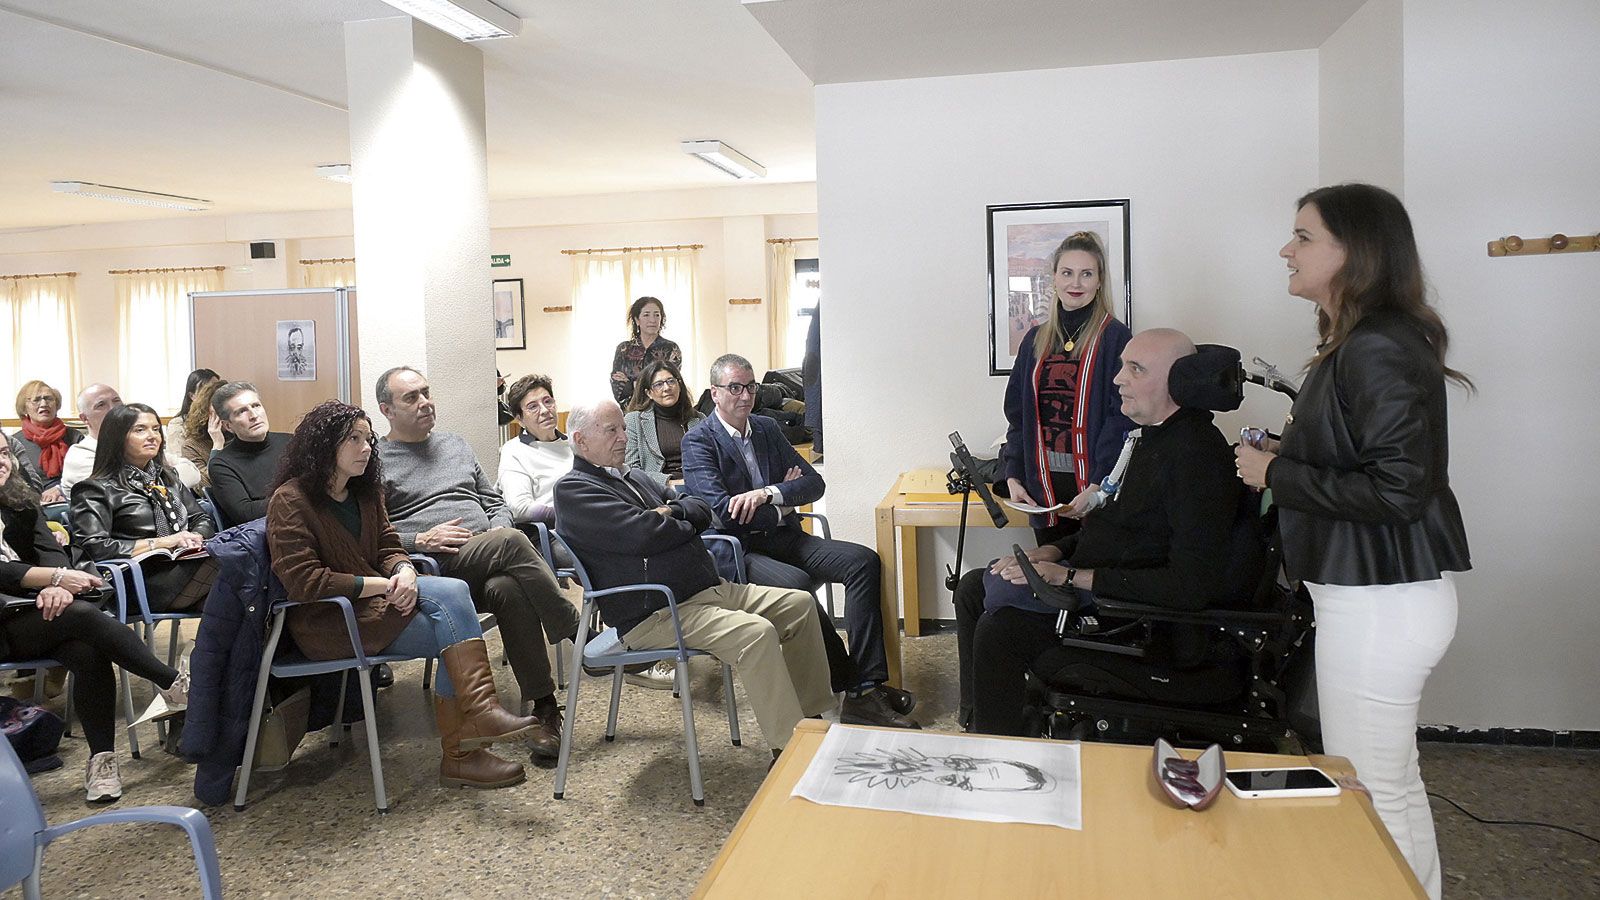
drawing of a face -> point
(297, 340)
(902, 768)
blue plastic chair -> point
(24, 834)
(126, 578)
(427, 565)
(827, 535)
(605, 650)
(294, 665)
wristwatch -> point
(1072, 574)
(774, 495)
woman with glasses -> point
(532, 462)
(330, 536)
(646, 318)
(658, 417)
(44, 437)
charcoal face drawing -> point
(894, 769)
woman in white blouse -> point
(531, 462)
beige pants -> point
(769, 635)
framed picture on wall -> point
(510, 328)
(1022, 239)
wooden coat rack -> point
(1555, 243)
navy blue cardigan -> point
(1098, 407)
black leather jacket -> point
(1362, 478)
(108, 517)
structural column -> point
(420, 191)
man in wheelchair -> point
(1162, 535)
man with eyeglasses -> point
(752, 479)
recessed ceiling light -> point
(725, 158)
(339, 173)
(130, 195)
(466, 20)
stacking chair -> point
(540, 534)
(126, 577)
(294, 665)
(605, 650)
(24, 834)
(827, 534)
(39, 666)
(426, 565)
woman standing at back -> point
(646, 318)
(1361, 481)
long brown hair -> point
(1049, 337)
(1382, 269)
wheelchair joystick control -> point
(1063, 599)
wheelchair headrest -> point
(1209, 379)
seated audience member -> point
(531, 462)
(1161, 538)
(19, 459)
(133, 503)
(59, 626)
(752, 478)
(628, 529)
(45, 438)
(197, 379)
(329, 535)
(202, 431)
(94, 402)
(443, 505)
(658, 417)
(244, 468)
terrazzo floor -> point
(627, 827)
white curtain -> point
(153, 329)
(780, 276)
(327, 273)
(39, 328)
(604, 285)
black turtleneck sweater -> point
(242, 474)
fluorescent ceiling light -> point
(129, 195)
(729, 160)
(466, 20)
(339, 173)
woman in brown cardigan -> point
(329, 534)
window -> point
(153, 314)
(38, 326)
(804, 290)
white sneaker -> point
(102, 781)
(169, 701)
(660, 677)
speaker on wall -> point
(263, 250)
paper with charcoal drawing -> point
(949, 775)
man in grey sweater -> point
(443, 505)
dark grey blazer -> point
(644, 448)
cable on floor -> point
(1470, 815)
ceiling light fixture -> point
(130, 195)
(725, 158)
(465, 20)
(339, 173)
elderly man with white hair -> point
(627, 529)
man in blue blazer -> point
(752, 479)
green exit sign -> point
(499, 260)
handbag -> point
(34, 732)
(281, 731)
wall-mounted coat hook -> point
(1555, 243)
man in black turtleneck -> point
(242, 470)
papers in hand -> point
(1033, 510)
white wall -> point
(1500, 139)
(1212, 153)
(1360, 103)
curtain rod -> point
(176, 269)
(633, 249)
(41, 275)
(318, 262)
(789, 240)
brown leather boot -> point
(483, 720)
(468, 768)
(545, 743)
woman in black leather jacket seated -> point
(43, 617)
(134, 504)
(1361, 480)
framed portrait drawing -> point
(1022, 238)
(510, 328)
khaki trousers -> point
(771, 637)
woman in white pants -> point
(1361, 481)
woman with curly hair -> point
(202, 430)
(329, 534)
(645, 345)
(197, 379)
(658, 417)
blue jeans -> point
(445, 616)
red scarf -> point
(52, 446)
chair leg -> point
(567, 725)
(66, 716)
(696, 787)
(257, 710)
(427, 674)
(733, 705)
(30, 884)
(561, 665)
(616, 700)
(372, 739)
(338, 711)
(127, 710)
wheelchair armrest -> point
(356, 652)
(1063, 599)
(1123, 609)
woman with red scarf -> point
(45, 438)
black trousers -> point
(87, 642)
(791, 558)
(1005, 644)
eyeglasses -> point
(43, 398)
(663, 383)
(736, 389)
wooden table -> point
(1133, 844)
(919, 499)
